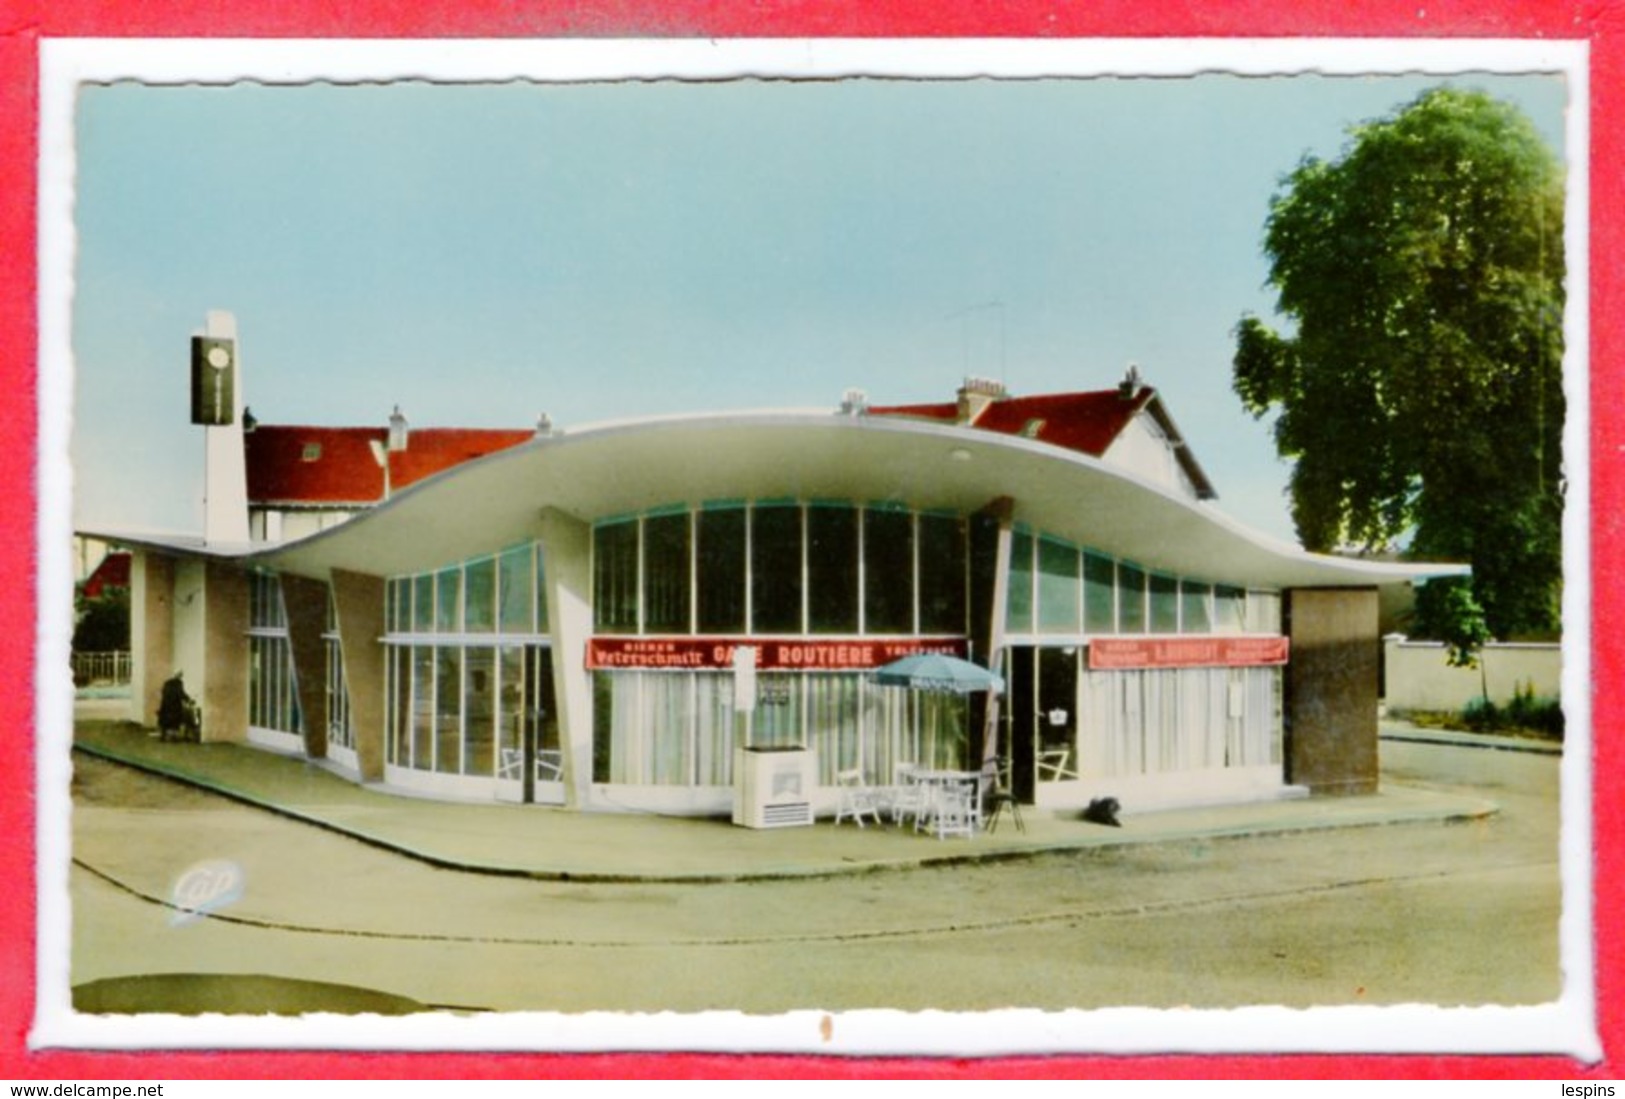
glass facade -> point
(657, 728)
(1058, 589)
(467, 669)
(781, 568)
(273, 692)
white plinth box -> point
(773, 787)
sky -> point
(481, 253)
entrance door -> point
(1021, 709)
(1042, 724)
(530, 761)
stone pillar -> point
(566, 545)
(152, 632)
(305, 603)
(989, 553)
(225, 653)
(358, 599)
(1331, 690)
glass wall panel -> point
(1019, 619)
(510, 713)
(400, 606)
(1229, 609)
(1099, 594)
(448, 593)
(1194, 616)
(615, 577)
(719, 551)
(942, 574)
(1057, 587)
(423, 707)
(668, 709)
(776, 569)
(448, 711)
(516, 591)
(400, 742)
(1164, 604)
(480, 596)
(667, 580)
(832, 570)
(714, 729)
(888, 563)
(777, 720)
(1130, 599)
(479, 711)
(541, 592)
(423, 603)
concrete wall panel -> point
(1331, 690)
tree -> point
(103, 622)
(1420, 384)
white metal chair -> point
(954, 813)
(855, 799)
(549, 765)
(1053, 765)
(906, 797)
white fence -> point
(1418, 675)
(101, 669)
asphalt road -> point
(1449, 914)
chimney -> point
(397, 430)
(1130, 386)
(975, 395)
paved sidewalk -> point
(547, 843)
(1403, 730)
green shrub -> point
(1526, 713)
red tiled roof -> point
(336, 465)
(1085, 422)
(113, 572)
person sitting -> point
(177, 712)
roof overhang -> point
(623, 468)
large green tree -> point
(1418, 373)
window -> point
(719, 562)
(832, 569)
(1130, 599)
(1164, 604)
(1019, 619)
(514, 585)
(615, 577)
(888, 565)
(479, 594)
(775, 569)
(666, 578)
(1057, 587)
(1193, 607)
(1099, 594)
(942, 574)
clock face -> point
(219, 358)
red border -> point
(25, 22)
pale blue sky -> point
(481, 253)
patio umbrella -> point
(938, 672)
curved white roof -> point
(627, 467)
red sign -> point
(1186, 652)
(800, 655)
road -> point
(1460, 914)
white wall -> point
(1418, 675)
